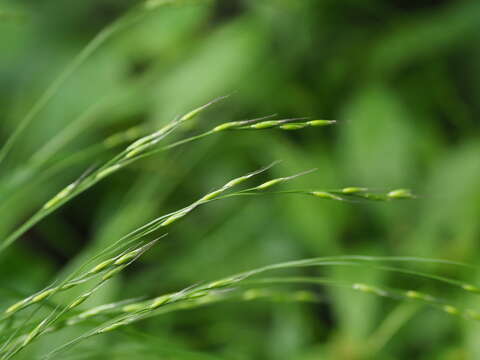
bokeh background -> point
(401, 77)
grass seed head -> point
(79, 301)
(102, 266)
(128, 257)
(227, 126)
(270, 183)
(173, 218)
(237, 181)
(353, 190)
(133, 308)
(35, 332)
(197, 295)
(221, 283)
(59, 197)
(213, 194)
(400, 194)
(162, 300)
(321, 122)
(43, 295)
(17, 306)
(108, 171)
(113, 272)
(298, 126)
(140, 142)
(265, 124)
(134, 152)
(326, 195)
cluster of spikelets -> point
(130, 247)
(239, 287)
(18, 328)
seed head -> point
(43, 295)
(400, 194)
(353, 190)
(137, 150)
(17, 306)
(326, 195)
(113, 272)
(227, 126)
(213, 194)
(321, 122)
(162, 300)
(144, 140)
(198, 294)
(236, 181)
(35, 332)
(133, 308)
(293, 126)
(173, 218)
(79, 301)
(102, 266)
(221, 283)
(265, 124)
(128, 257)
(270, 183)
(108, 171)
(59, 197)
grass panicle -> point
(44, 312)
(244, 287)
(139, 149)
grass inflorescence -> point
(44, 312)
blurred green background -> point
(401, 77)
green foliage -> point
(94, 156)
